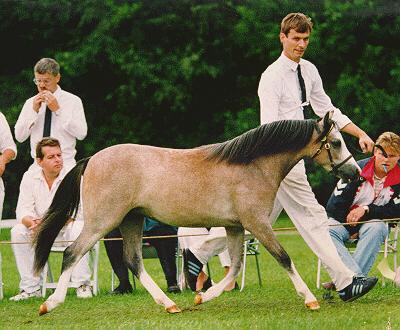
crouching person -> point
(37, 190)
(375, 196)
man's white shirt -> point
(67, 124)
(35, 196)
(280, 94)
(6, 139)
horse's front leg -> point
(263, 232)
(234, 236)
(131, 230)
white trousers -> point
(24, 256)
(204, 247)
(310, 218)
(1, 197)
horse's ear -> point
(328, 119)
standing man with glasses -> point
(51, 112)
(288, 89)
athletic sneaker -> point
(84, 291)
(207, 284)
(359, 287)
(191, 267)
(23, 295)
(173, 289)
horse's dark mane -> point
(267, 139)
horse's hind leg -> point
(263, 232)
(131, 230)
(234, 238)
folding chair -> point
(250, 248)
(389, 246)
(4, 223)
(48, 275)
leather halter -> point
(325, 145)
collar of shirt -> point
(40, 176)
(288, 63)
(392, 178)
(57, 92)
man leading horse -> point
(291, 88)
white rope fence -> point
(392, 220)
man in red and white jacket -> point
(375, 196)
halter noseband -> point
(327, 146)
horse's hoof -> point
(173, 309)
(313, 305)
(43, 309)
(198, 299)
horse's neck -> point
(279, 165)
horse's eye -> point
(336, 143)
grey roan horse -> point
(231, 184)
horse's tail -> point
(64, 206)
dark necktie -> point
(308, 113)
(47, 123)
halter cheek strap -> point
(327, 146)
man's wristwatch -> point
(366, 209)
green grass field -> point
(274, 306)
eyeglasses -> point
(40, 81)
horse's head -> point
(330, 151)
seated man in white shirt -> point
(37, 190)
(51, 112)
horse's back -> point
(169, 184)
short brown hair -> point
(389, 140)
(46, 142)
(296, 21)
(47, 65)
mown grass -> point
(274, 306)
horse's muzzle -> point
(348, 172)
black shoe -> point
(192, 268)
(207, 284)
(173, 289)
(122, 289)
(359, 287)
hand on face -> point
(50, 100)
(46, 84)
